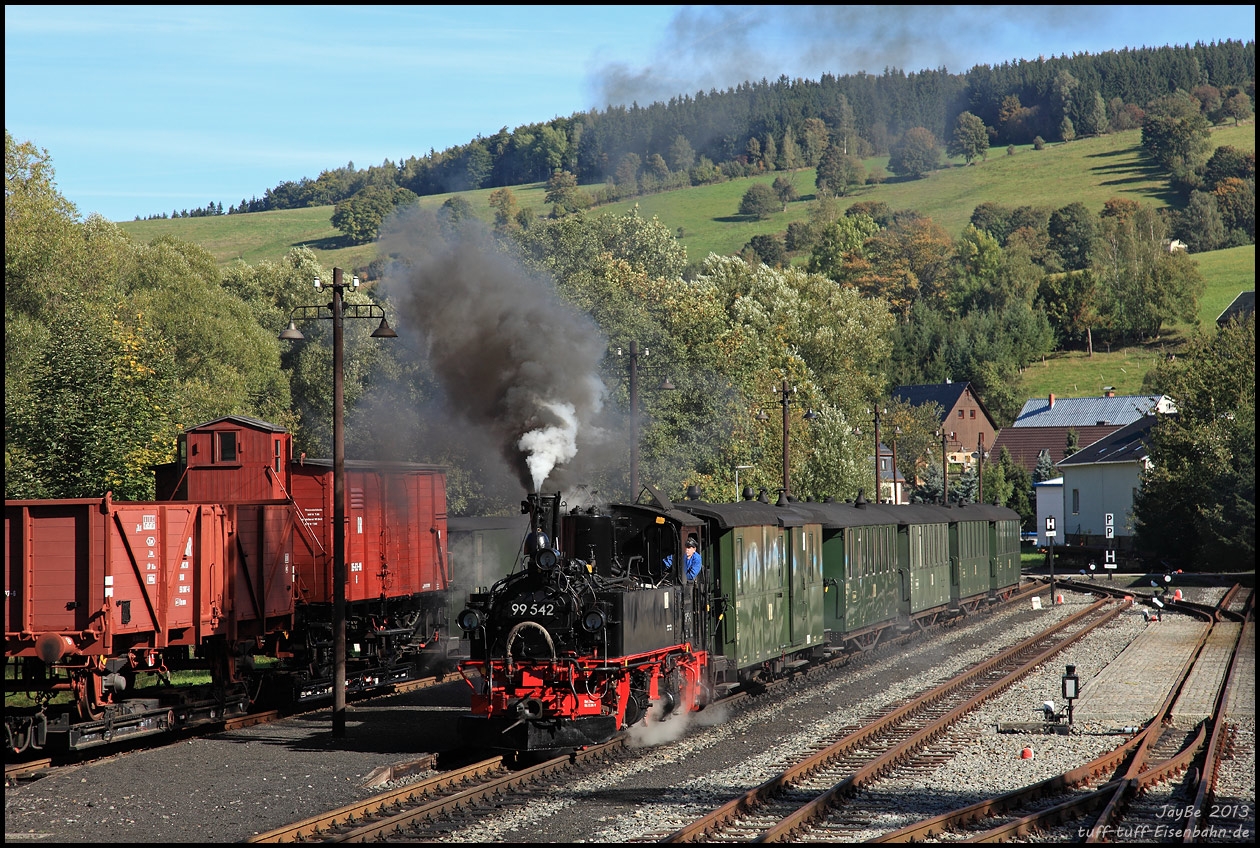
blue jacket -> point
(693, 564)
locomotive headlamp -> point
(593, 621)
(546, 559)
(469, 620)
(536, 541)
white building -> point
(1102, 480)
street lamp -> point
(878, 487)
(785, 398)
(896, 493)
(946, 435)
(338, 310)
(666, 385)
(980, 469)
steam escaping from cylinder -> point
(515, 363)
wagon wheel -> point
(86, 686)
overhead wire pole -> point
(787, 488)
(878, 487)
(666, 385)
(337, 310)
(634, 422)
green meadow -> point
(1092, 171)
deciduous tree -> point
(970, 139)
(1198, 500)
(759, 201)
(916, 154)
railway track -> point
(1153, 788)
(808, 801)
(414, 815)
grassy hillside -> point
(1091, 171)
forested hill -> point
(711, 136)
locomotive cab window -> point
(226, 447)
(279, 451)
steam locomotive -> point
(594, 633)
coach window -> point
(227, 447)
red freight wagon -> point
(395, 529)
(397, 577)
(97, 591)
(98, 577)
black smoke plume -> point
(515, 363)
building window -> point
(227, 447)
(960, 413)
(279, 457)
(973, 413)
(1076, 501)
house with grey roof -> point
(1044, 423)
(1100, 485)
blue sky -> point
(151, 109)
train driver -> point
(691, 558)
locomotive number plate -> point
(533, 610)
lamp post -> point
(980, 469)
(785, 398)
(896, 494)
(945, 436)
(665, 385)
(337, 311)
(878, 485)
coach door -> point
(804, 583)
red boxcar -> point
(395, 530)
